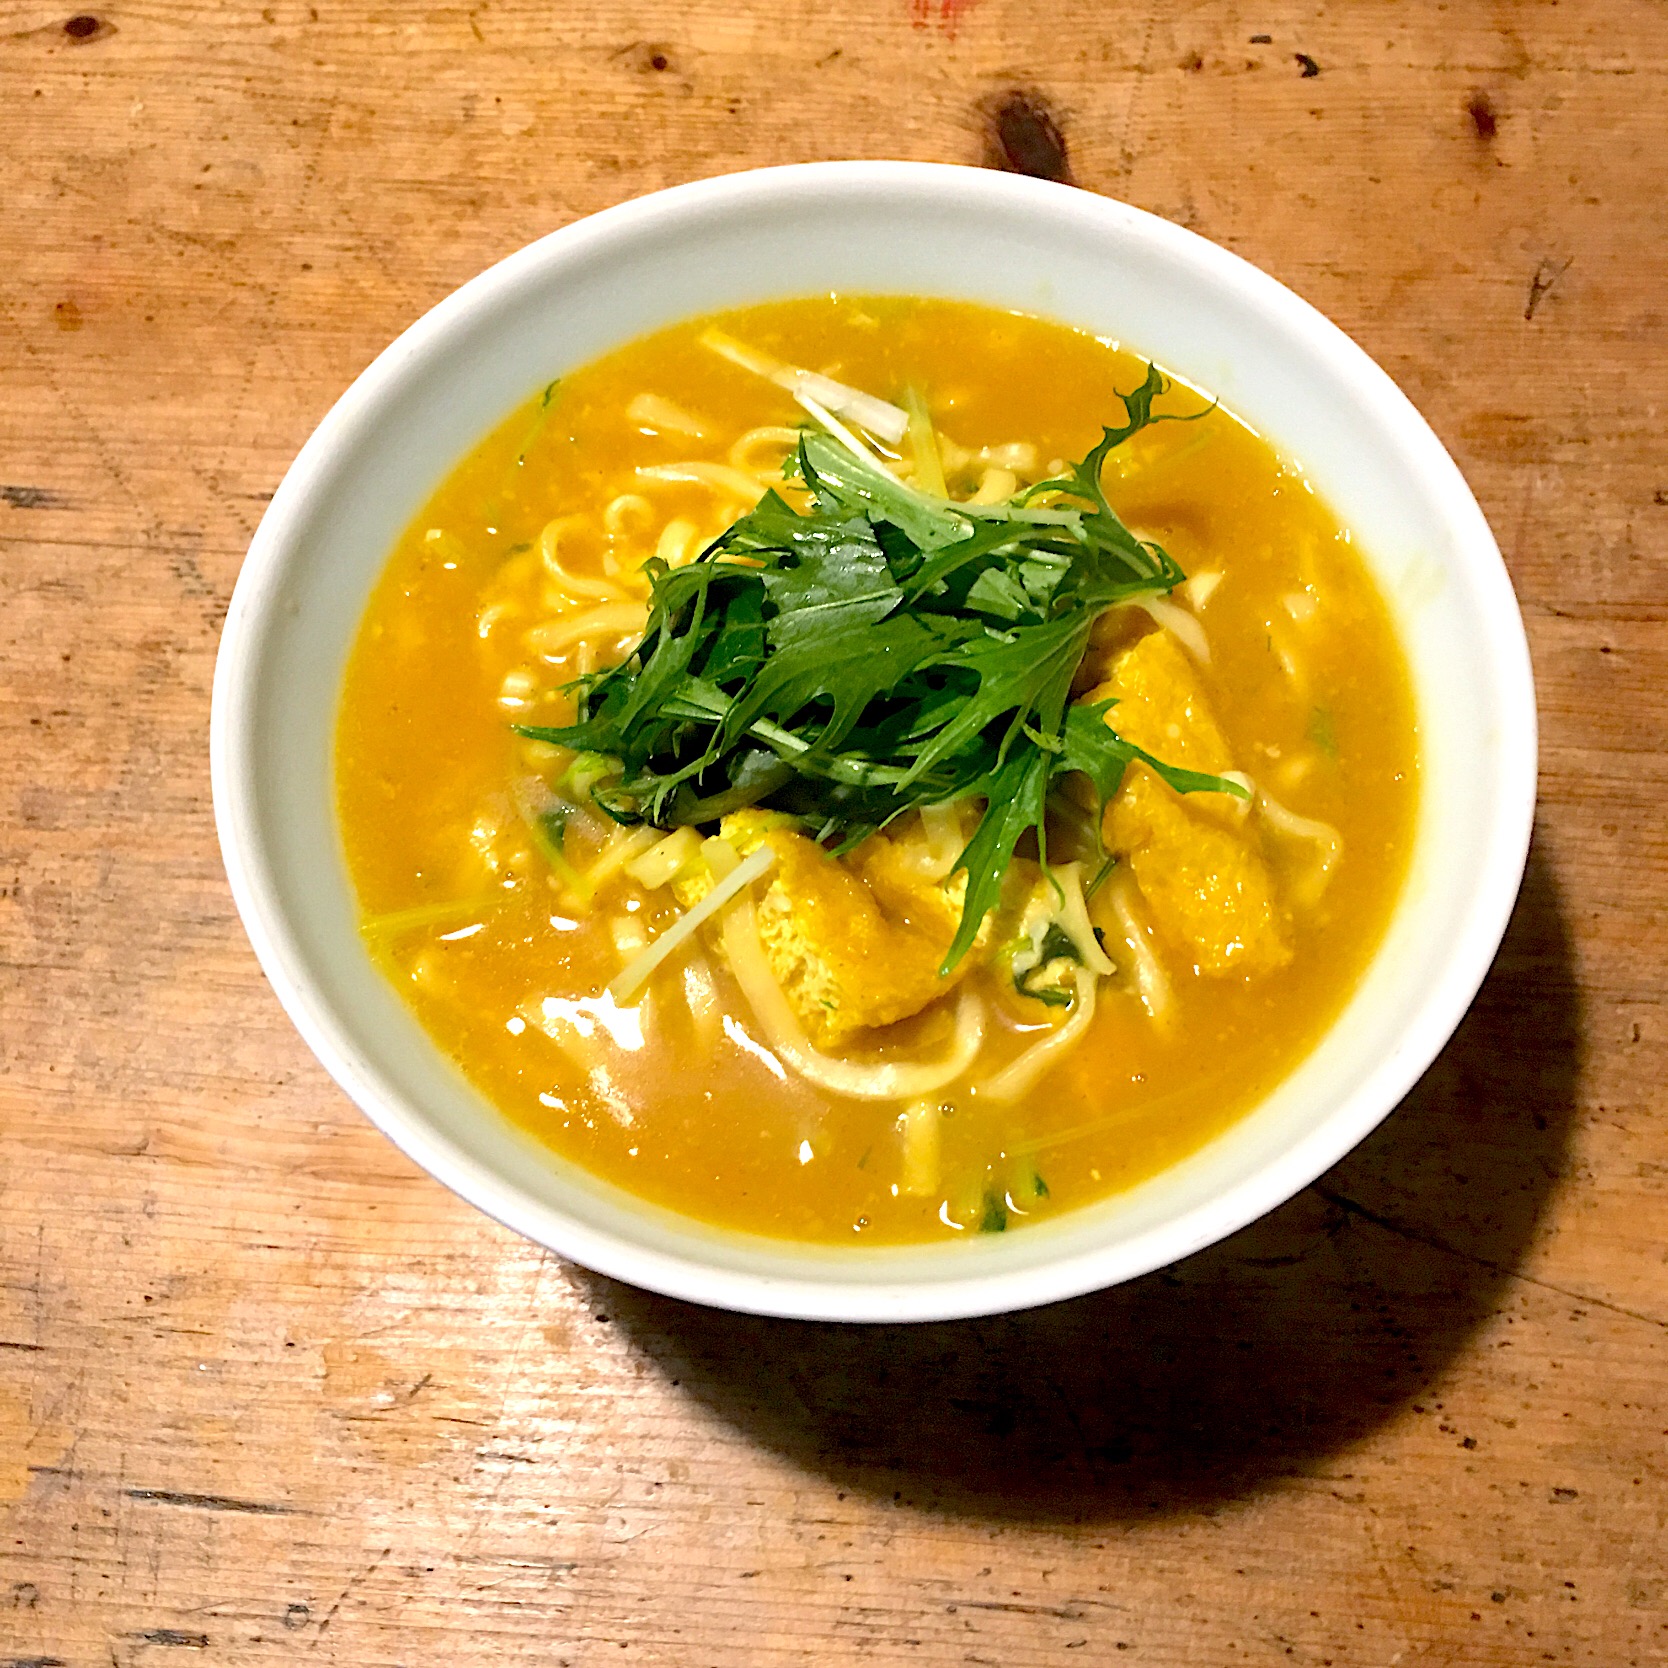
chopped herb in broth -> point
(798, 791)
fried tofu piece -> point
(1196, 862)
(1162, 707)
(854, 942)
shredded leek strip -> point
(844, 435)
(654, 411)
(851, 1078)
(625, 845)
(632, 978)
(631, 937)
(397, 921)
(1046, 517)
(445, 544)
(1290, 663)
(1018, 455)
(996, 486)
(662, 861)
(1150, 469)
(920, 1124)
(1301, 605)
(1020, 1075)
(1179, 623)
(721, 857)
(923, 446)
(876, 415)
(1201, 587)
(700, 995)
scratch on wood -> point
(32, 1349)
(1540, 286)
(210, 1502)
(31, 498)
(1403, 1231)
(1061, 1613)
(172, 1636)
(364, 1575)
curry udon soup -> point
(875, 767)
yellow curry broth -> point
(1305, 678)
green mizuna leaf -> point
(878, 650)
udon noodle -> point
(769, 1011)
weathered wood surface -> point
(266, 1393)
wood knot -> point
(1025, 138)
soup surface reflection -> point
(797, 1065)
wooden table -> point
(267, 1393)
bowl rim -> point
(978, 1292)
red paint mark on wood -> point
(946, 14)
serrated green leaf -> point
(876, 651)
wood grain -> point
(268, 1394)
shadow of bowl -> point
(1258, 1358)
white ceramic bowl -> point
(874, 227)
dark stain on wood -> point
(1306, 64)
(208, 1502)
(29, 498)
(84, 28)
(1025, 137)
(1481, 111)
(1546, 275)
(648, 57)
